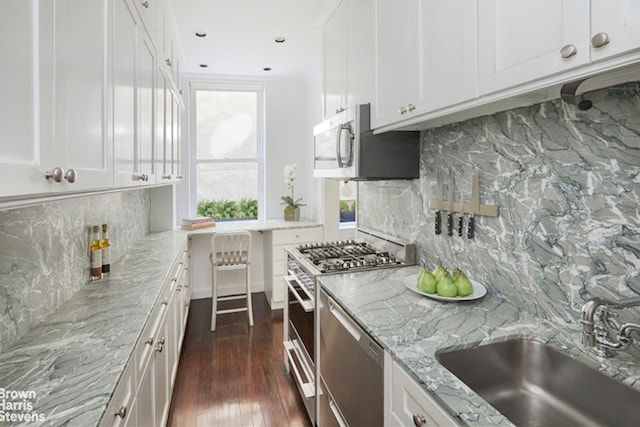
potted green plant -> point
(292, 205)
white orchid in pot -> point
(292, 208)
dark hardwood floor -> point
(234, 376)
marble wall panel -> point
(567, 183)
(44, 255)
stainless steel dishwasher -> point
(351, 369)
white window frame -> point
(229, 86)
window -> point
(348, 199)
(227, 166)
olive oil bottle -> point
(106, 250)
(96, 254)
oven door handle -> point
(308, 387)
(307, 305)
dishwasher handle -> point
(344, 320)
(367, 344)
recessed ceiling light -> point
(203, 65)
(267, 68)
(201, 34)
(280, 39)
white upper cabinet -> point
(82, 142)
(124, 93)
(56, 108)
(23, 156)
(524, 40)
(615, 27)
(448, 39)
(396, 61)
(347, 49)
(425, 57)
(134, 99)
(334, 45)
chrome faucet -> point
(596, 321)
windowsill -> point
(347, 225)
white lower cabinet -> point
(276, 258)
(143, 395)
(122, 407)
(408, 404)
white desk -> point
(268, 257)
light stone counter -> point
(255, 225)
(413, 328)
(69, 365)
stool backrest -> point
(231, 248)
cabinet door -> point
(80, 130)
(161, 135)
(448, 53)
(124, 84)
(406, 401)
(176, 140)
(359, 51)
(620, 21)
(162, 375)
(21, 146)
(522, 40)
(395, 60)
(334, 45)
(146, 169)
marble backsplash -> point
(567, 183)
(44, 255)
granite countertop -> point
(255, 225)
(413, 328)
(70, 364)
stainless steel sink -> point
(533, 384)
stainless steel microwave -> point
(346, 148)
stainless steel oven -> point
(301, 315)
(299, 342)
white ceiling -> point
(240, 35)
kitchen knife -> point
(439, 198)
(461, 217)
(475, 204)
(450, 213)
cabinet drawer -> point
(297, 235)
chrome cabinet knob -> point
(411, 107)
(145, 4)
(419, 420)
(149, 341)
(168, 62)
(600, 40)
(568, 51)
(71, 175)
(403, 110)
(166, 176)
(160, 345)
(56, 174)
(122, 412)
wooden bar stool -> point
(230, 251)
